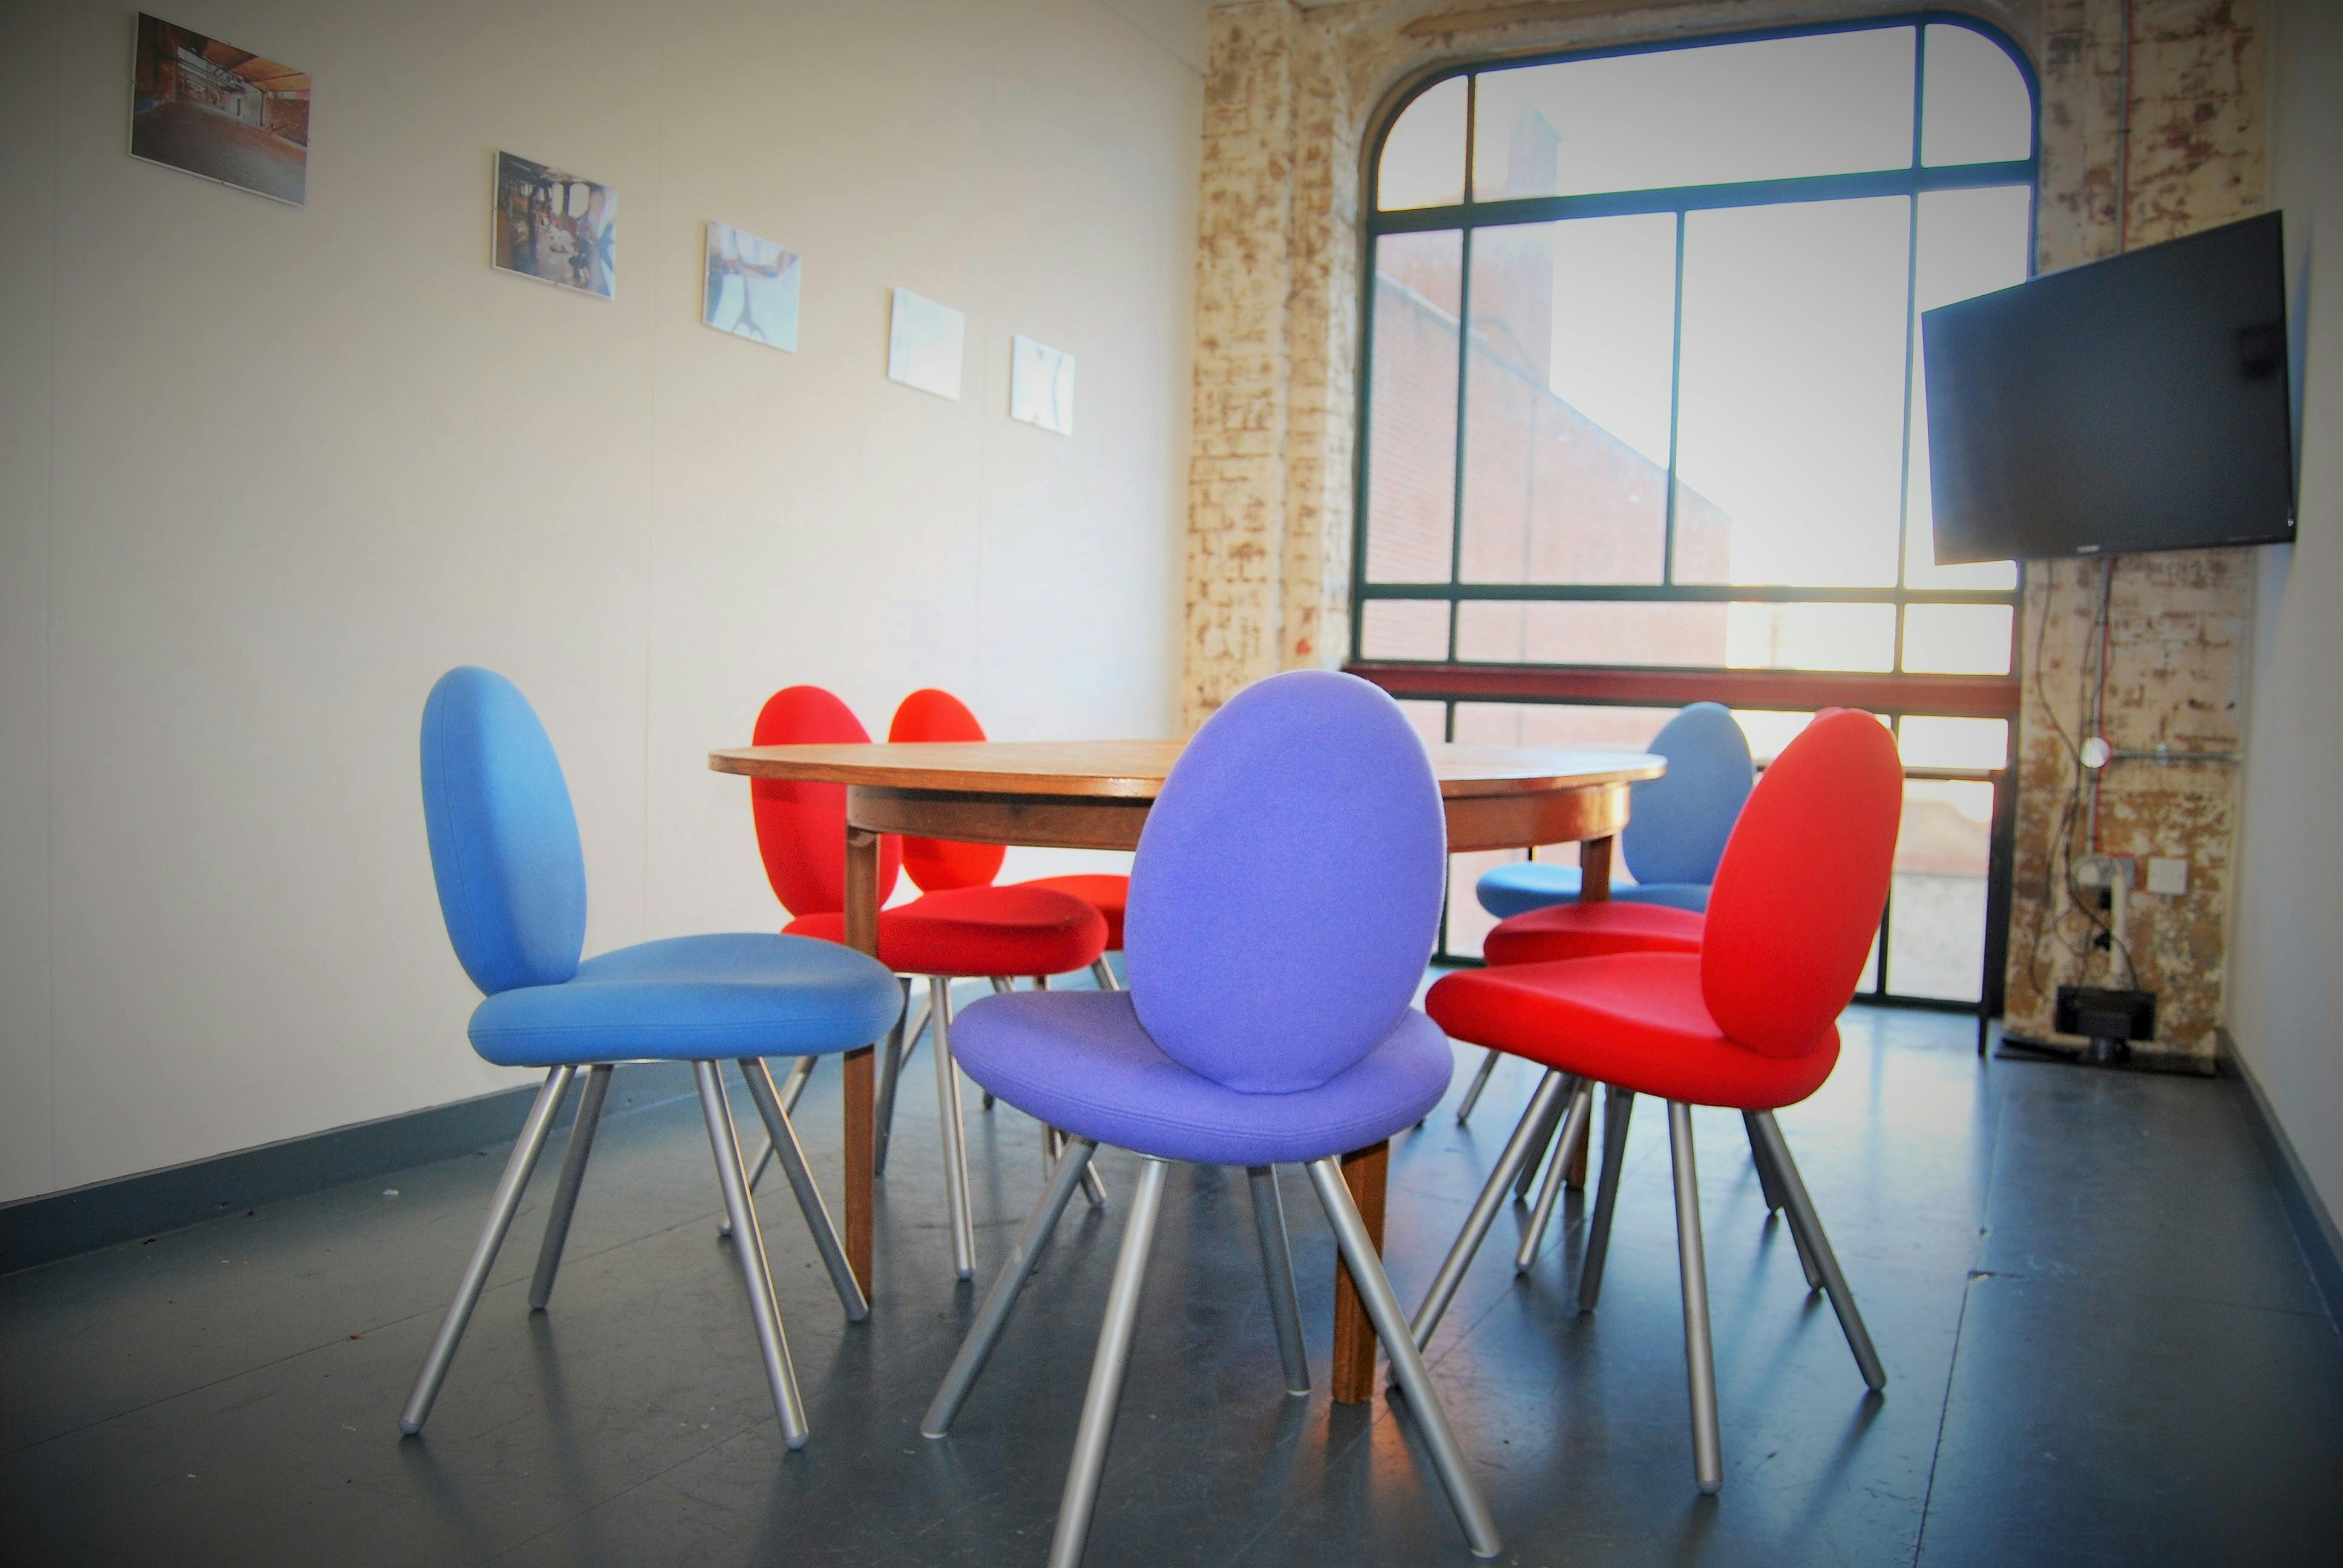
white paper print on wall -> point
(1041, 386)
(751, 287)
(923, 344)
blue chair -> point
(1675, 837)
(1283, 908)
(1677, 824)
(512, 887)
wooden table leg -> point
(1365, 1172)
(1594, 887)
(862, 935)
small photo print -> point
(556, 227)
(923, 344)
(752, 287)
(1041, 386)
(220, 111)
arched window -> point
(1680, 451)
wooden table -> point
(1095, 795)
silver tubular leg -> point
(1537, 1151)
(784, 1139)
(1002, 984)
(1802, 1219)
(1277, 1267)
(1103, 973)
(1406, 1363)
(1700, 1358)
(1618, 1105)
(1007, 1286)
(898, 1046)
(1484, 1208)
(1565, 1149)
(749, 1240)
(1771, 1181)
(1106, 1369)
(1480, 1082)
(793, 1089)
(501, 1209)
(948, 1112)
(573, 1176)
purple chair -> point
(1282, 908)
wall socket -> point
(2167, 874)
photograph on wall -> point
(1041, 386)
(752, 287)
(223, 113)
(556, 227)
(923, 344)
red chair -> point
(936, 865)
(1749, 1021)
(964, 932)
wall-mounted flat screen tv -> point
(2137, 403)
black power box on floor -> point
(2109, 1020)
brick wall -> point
(1292, 98)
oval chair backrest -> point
(1799, 896)
(1678, 823)
(504, 838)
(936, 864)
(1287, 893)
(802, 826)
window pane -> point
(1974, 108)
(1715, 635)
(1424, 156)
(1566, 418)
(1790, 441)
(1558, 724)
(1971, 243)
(1412, 407)
(1429, 720)
(1957, 638)
(1769, 731)
(1928, 742)
(1935, 923)
(1836, 103)
(1403, 628)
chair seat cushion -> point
(1012, 930)
(1518, 888)
(1632, 1020)
(690, 999)
(1104, 891)
(1590, 930)
(1081, 1062)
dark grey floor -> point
(2103, 1346)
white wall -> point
(264, 472)
(2286, 982)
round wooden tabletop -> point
(1135, 769)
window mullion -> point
(1463, 382)
(1675, 403)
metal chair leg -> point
(793, 1088)
(1565, 1149)
(1484, 1208)
(783, 1140)
(501, 1209)
(1001, 985)
(573, 1176)
(947, 1111)
(899, 1041)
(1007, 1286)
(1406, 1363)
(1771, 1181)
(1700, 1358)
(1106, 1369)
(1103, 973)
(1277, 1268)
(1545, 1141)
(1480, 1082)
(749, 1240)
(1804, 1220)
(800, 1071)
(1618, 1105)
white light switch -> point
(2167, 874)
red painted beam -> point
(1958, 695)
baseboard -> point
(41, 1229)
(2314, 1227)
